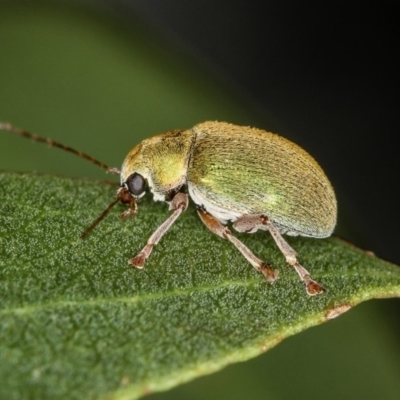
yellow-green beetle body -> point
(237, 174)
(243, 171)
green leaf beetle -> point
(245, 176)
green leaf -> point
(78, 323)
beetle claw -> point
(271, 275)
(138, 261)
(313, 287)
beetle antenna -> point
(52, 143)
(99, 218)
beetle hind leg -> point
(251, 223)
(222, 231)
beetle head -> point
(159, 163)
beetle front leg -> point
(222, 231)
(251, 223)
(178, 204)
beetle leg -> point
(222, 231)
(178, 204)
(251, 223)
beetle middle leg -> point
(251, 223)
(178, 204)
(216, 227)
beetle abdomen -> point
(250, 171)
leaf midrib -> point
(128, 300)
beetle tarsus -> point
(271, 275)
(313, 287)
(138, 261)
(128, 213)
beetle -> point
(234, 174)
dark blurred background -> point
(323, 74)
(102, 75)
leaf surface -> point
(78, 323)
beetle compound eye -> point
(136, 184)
